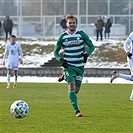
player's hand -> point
(85, 56)
(129, 55)
(64, 63)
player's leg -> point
(124, 76)
(8, 77)
(131, 96)
(15, 68)
(61, 78)
(69, 76)
(121, 75)
(16, 77)
(73, 98)
(78, 83)
(9, 70)
(78, 113)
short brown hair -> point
(71, 16)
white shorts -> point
(12, 65)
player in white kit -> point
(129, 41)
(12, 51)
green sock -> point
(73, 99)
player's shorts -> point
(12, 65)
(74, 74)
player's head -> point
(71, 22)
(13, 36)
(12, 39)
(71, 16)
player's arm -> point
(57, 55)
(57, 48)
(5, 54)
(91, 47)
(21, 54)
(126, 43)
(89, 43)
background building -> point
(42, 17)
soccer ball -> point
(19, 109)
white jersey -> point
(127, 42)
(12, 51)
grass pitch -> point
(105, 107)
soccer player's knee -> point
(72, 85)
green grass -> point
(106, 108)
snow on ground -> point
(38, 60)
(55, 80)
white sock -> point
(131, 96)
(8, 79)
(124, 76)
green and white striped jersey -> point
(74, 46)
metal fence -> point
(41, 18)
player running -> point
(129, 60)
(73, 42)
(12, 50)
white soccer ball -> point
(19, 109)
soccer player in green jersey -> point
(73, 42)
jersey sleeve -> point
(5, 53)
(20, 51)
(127, 42)
(57, 48)
(89, 43)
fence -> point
(57, 71)
(41, 18)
